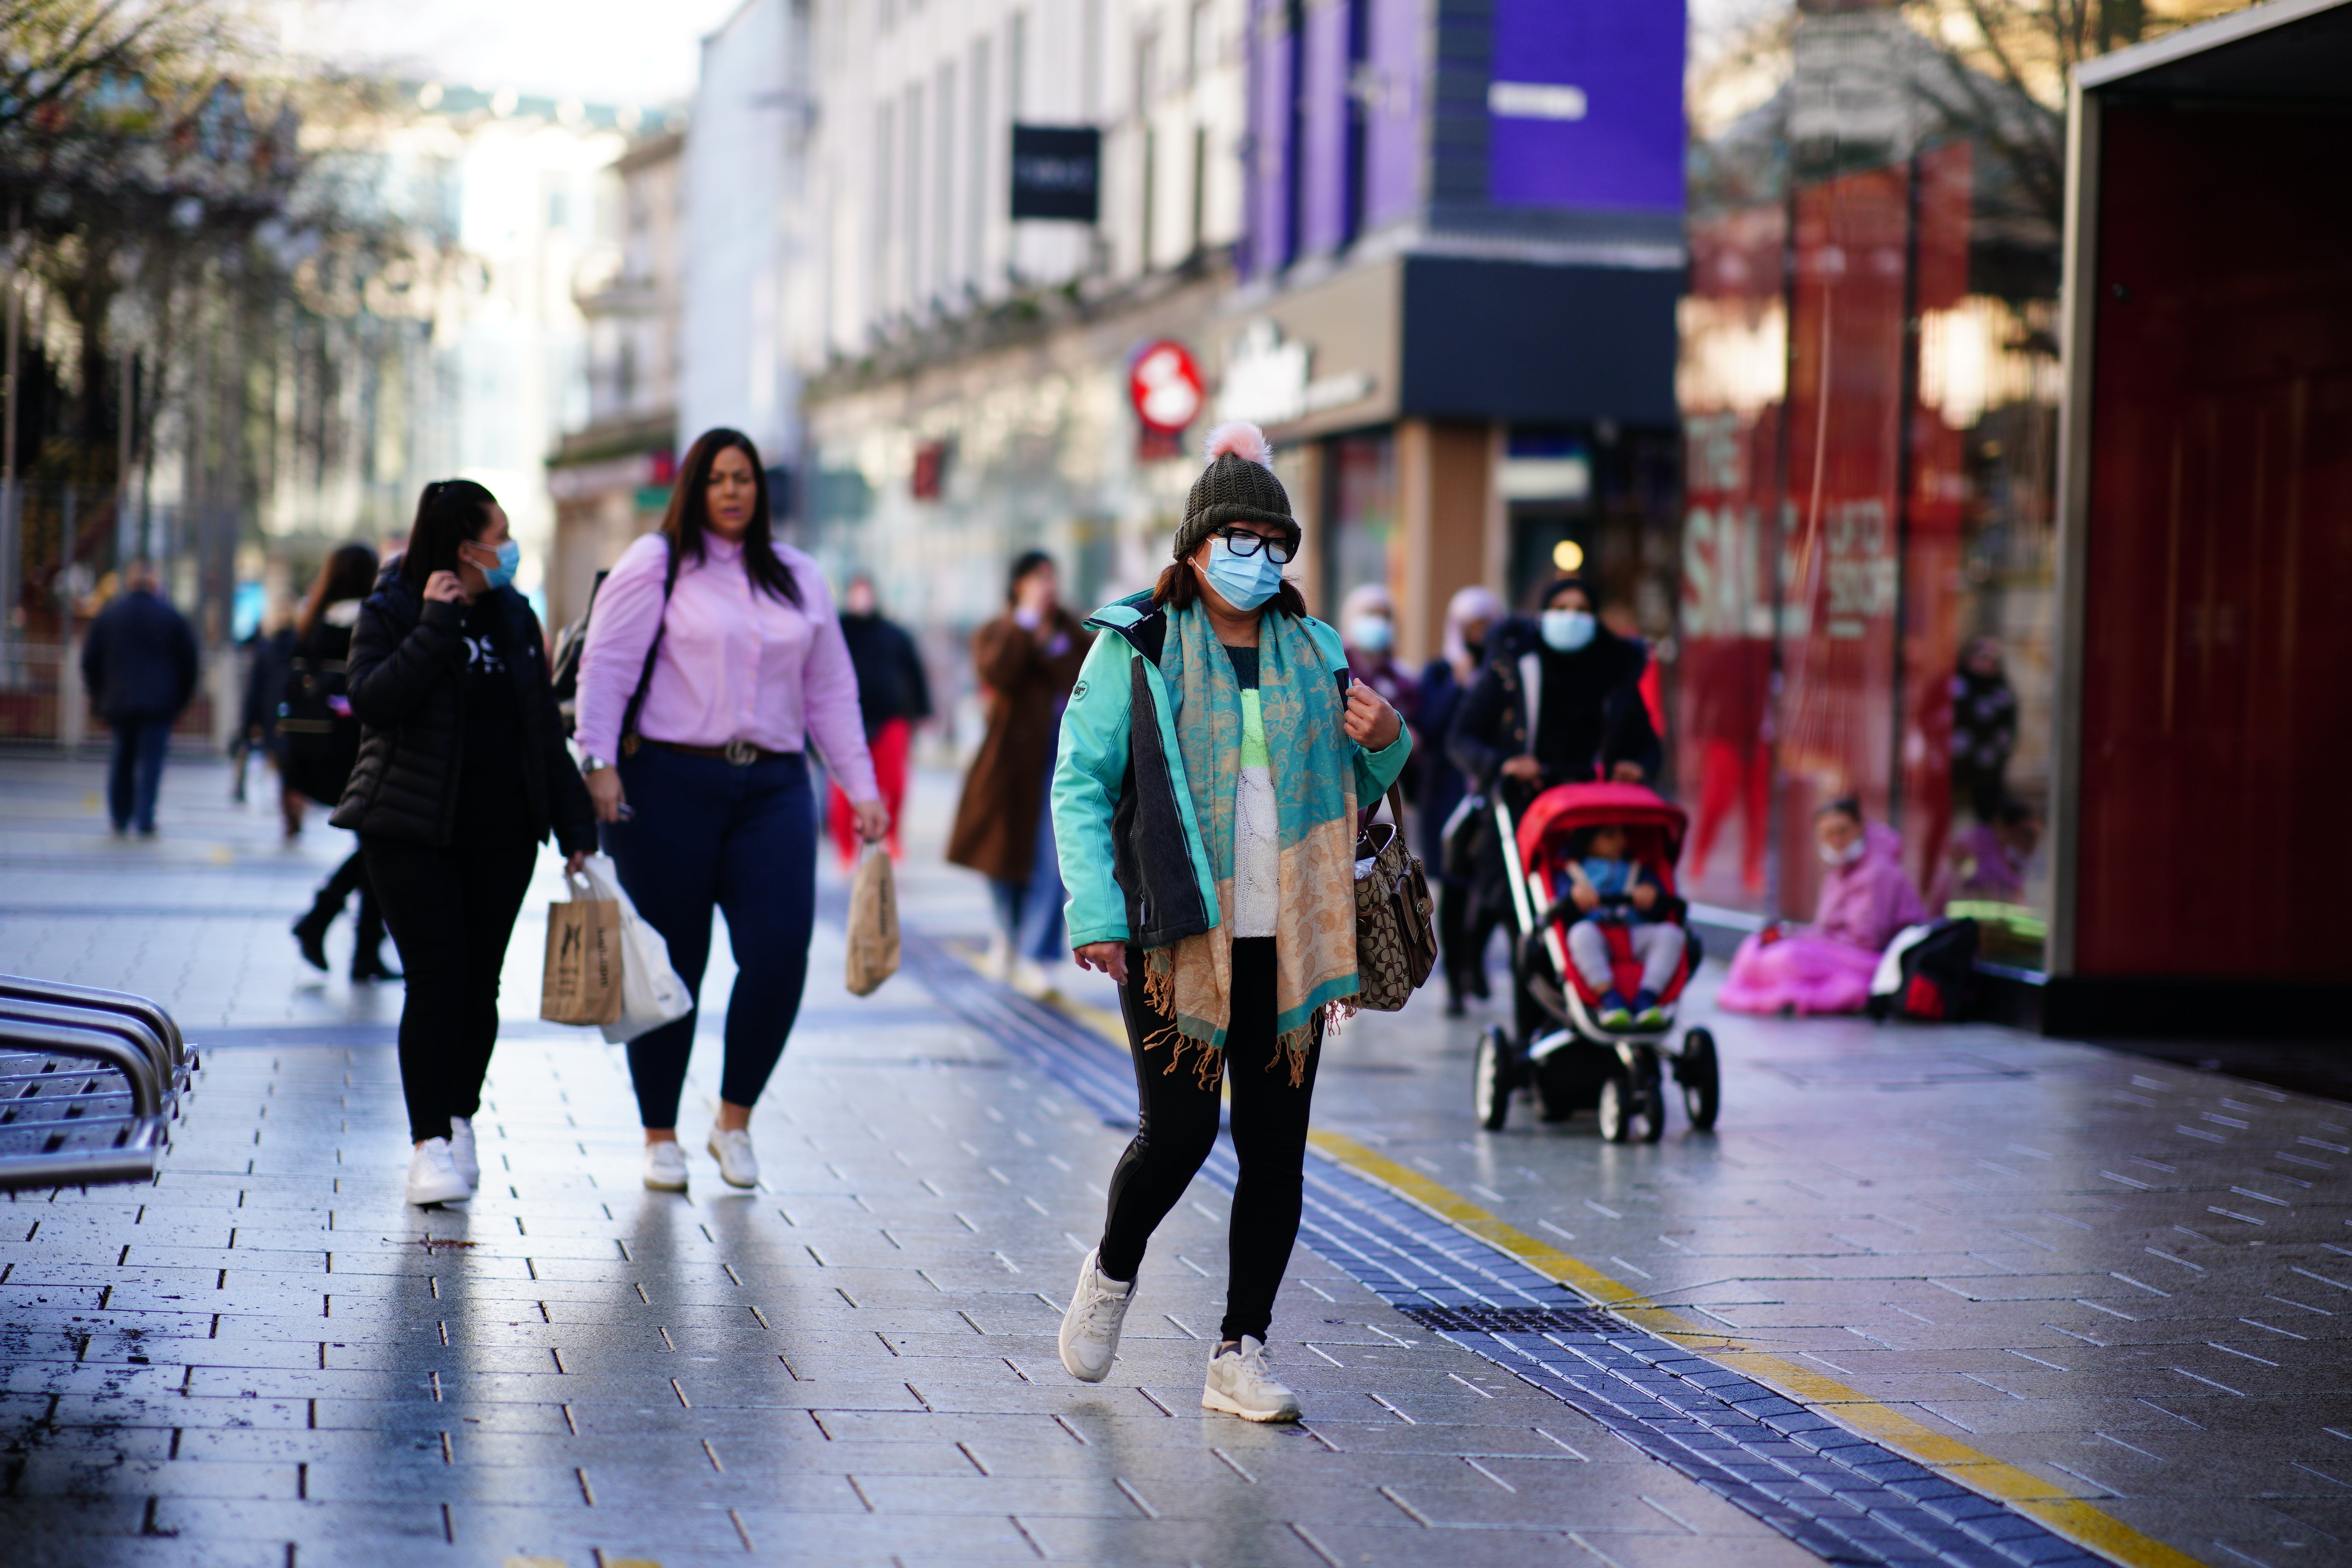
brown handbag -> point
(1396, 928)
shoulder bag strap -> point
(652, 651)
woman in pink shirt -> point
(714, 658)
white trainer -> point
(1090, 1327)
(737, 1164)
(1240, 1384)
(434, 1178)
(665, 1166)
(1030, 979)
(462, 1153)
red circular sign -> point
(1165, 386)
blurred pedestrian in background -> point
(1367, 631)
(1555, 702)
(1207, 787)
(894, 695)
(318, 744)
(1988, 862)
(1462, 939)
(1025, 661)
(461, 775)
(1865, 899)
(713, 660)
(1984, 728)
(139, 664)
(267, 654)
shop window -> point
(1360, 515)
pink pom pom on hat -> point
(1238, 486)
(1242, 439)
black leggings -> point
(1178, 1127)
(451, 910)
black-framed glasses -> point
(1244, 543)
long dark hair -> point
(349, 573)
(449, 513)
(690, 512)
(1179, 588)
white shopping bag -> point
(651, 993)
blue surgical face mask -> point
(502, 575)
(1374, 634)
(1567, 630)
(1246, 582)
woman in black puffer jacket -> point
(462, 772)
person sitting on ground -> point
(1604, 872)
(1865, 899)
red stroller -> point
(1559, 1047)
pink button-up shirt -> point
(736, 664)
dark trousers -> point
(451, 911)
(1465, 925)
(137, 773)
(352, 877)
(703, 834)
(1177, 1127)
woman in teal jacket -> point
(1213, 759)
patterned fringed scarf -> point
(1191, 981)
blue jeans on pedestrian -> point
(705, 834)
(1030, 912)
(137, 773)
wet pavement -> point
(1953, 1295)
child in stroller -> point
(1613, 890)
(1593, 892)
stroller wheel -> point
(1702, 1079)
(1652, 1084)
(1490, 1080)
(1616, 1112)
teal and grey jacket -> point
(1128, 840)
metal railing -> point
(91, 1081)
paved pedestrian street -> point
(1928, 1295)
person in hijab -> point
(1470, 616)
(1984, 729)
(1865, 899)
(1555, 702)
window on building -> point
(914, 240)
(884, 164)
(1201, 41)
(1147, 72)
(1150, 193)
(943, 186)
(978, 200)
(1200, 187)
(1090, 60)
(1016, 65)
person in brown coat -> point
(1027, 659)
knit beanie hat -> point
(1238, 486)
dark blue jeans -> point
(706, 835)
(138, 772)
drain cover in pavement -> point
(1515, 1320)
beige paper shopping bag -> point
(582, 982)
(873, 923)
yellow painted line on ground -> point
(2050, 1504)
(2047, 1501)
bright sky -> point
(600, 52)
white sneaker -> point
(1029, 978)
(434, 1178)
(665, 1166)
(1239, 1384)
(737, 1164)
(1090, 1327)
(997, 963)
(461, 1151)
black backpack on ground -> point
(1928, 973)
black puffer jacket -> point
(407, 687)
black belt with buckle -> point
(741, 754)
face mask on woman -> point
(503, 573)
(1567, 630)
(1833, 856)
(1374, 634)
(1245, 582)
